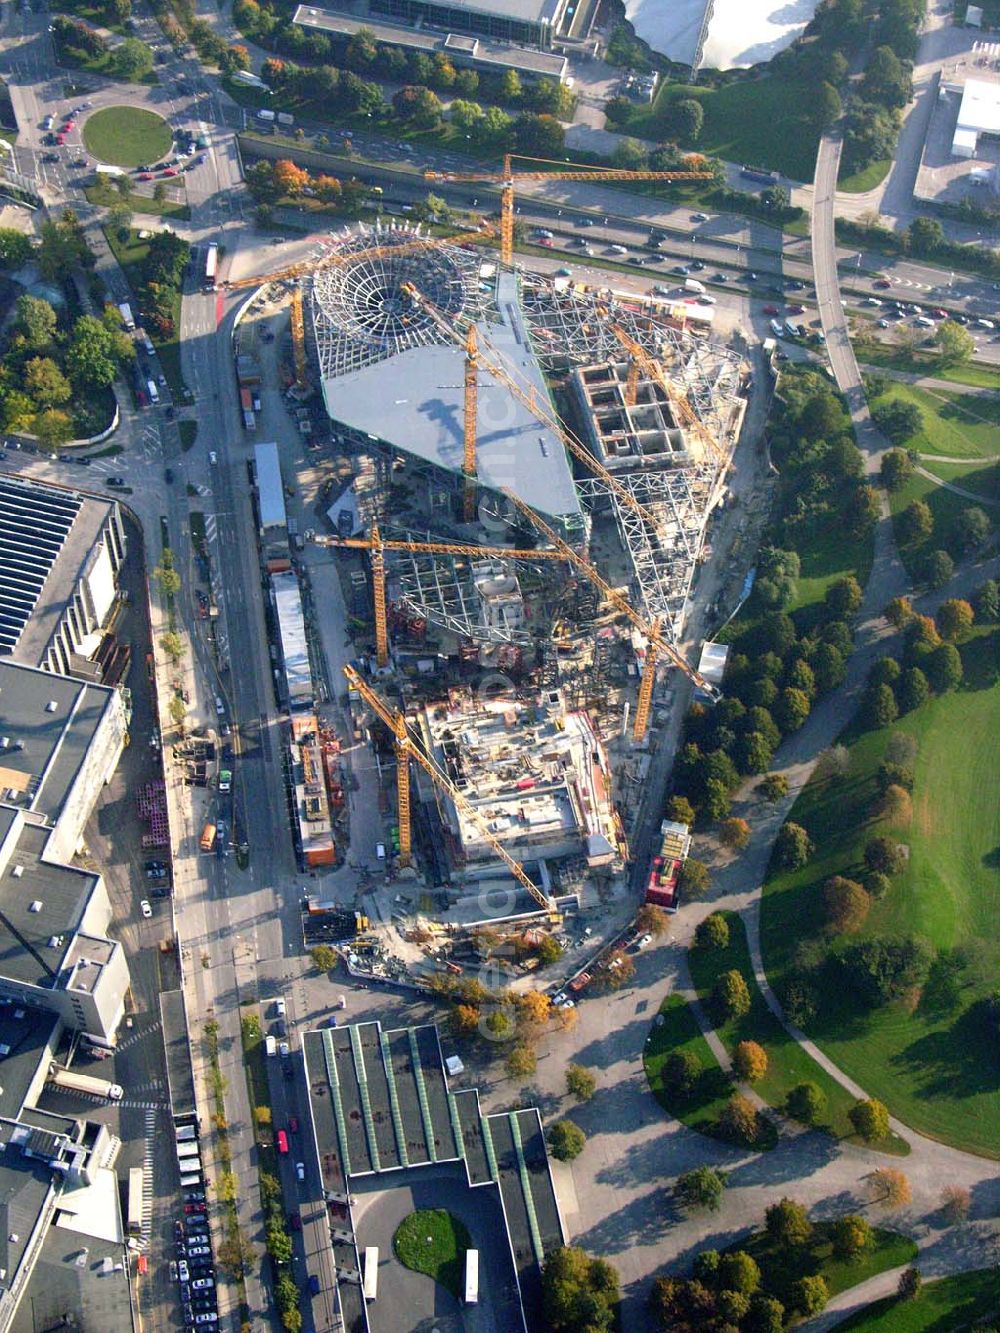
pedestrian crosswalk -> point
(147, 1181)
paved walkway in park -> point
(929, 382)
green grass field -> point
(863, 181)
(782, 1265)
(956, 425)
(107, 196)
(431, 1241)
(984, 480)
(922, 363)
(739, 123)
(927, 1058)
(676, 1029)
(950, 1303)
(788, 1063)
(827, 557)
(127, 136)
(945, 506)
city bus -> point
(211, 264)
(471, 1277)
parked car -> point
(145, 908)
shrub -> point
(774, 786)
(910, 1282)
(810, 1295)
(580, 1082)
(566, 1140)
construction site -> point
(535, 466)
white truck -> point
(693, 285)
(125, 310)
(94, 1087)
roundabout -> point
(127, 136)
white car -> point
(213, 457)
(646, 939)
(145, 908)
(300, 1171)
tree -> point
(630, 155)
(987, 602)
(896, 469)
(750, 1061)
(739, 1271)
(95, 353)
(774, 787)
(910, 1280)
(936, 568)
(53, 427)
(235, 58)
(417, 105)
(541, 136)
(651, 920)
(884, 671)
(464, 1020)
(895, 805)
(15, 249)
(955, 344)
(810, 1294)
(716, 802)
(701, 1187)
(324, 957)
(45, 382)
(693, 880)
(787, 1223)
(580, 1082)
(915, 524)
(289, 179)
(890, 1187)
(510, 86)
(36, 322)
(843, 598)
(970, 530)
(579, 1294)
(846, 904)
(880, 709)
(499, 1024)
(734, 833)
(884, 854)
(533, 1008)
(680, 810)
(899, 611)
(753, 749)
(521, 1062)
(806, 1102)
(730, 996)
(465, 116)
(955, 1204)
(793, 847)
(924, 235)
(791, 709)
(766, 1315)
(549, 951)
(914, 690)
(566, 1140)
(944, 668)
(954, 618)
(712, 933)
(173, 645)
(132, 60)
(618, 111)
(851, 1236)
(681, 1072)
(827, 106)
(685, 119)
(870, 1119)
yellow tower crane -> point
(641, 360)
(407, 748)
(377, 545)
(492, 364)
(655, 642)
(508, 178)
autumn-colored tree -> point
(738, 1120)
(619, 971)
(533, 1010)
(327, 188)
(522, 1062)
(896, 804)
(750, 1061)
(464, 1020)
(288, 178)
(846, 904)
(954, 618)
(889, 1187)
(899, 611)
(851, 1235)
(955, 1204)
(651, 920)
(734, 833)
(870, 1119)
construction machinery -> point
(407, 748)
(508, 178)
(492, 363)
(333, 257)
(655, 642)
(377, 545)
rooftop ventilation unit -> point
(17, 872)
(36, 906)
(52, 706)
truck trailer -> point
(94, 1087)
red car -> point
(145, 176)
(60, 138)
(796, 309)
(194, 1208)
(70, 125)
(170, 171)
(940, 314)
(282, 1138)
(546, 242)
(770, 310)
(882, 284)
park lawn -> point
(826, 558)
(927, 1057)
(955, 425)
(787, 1063)
(947, 1304)
(945, 506)
(127, 136)
(107, 196)
(740, 117)
(781, 1265)
(863, 181)
(921, 363)
(983, 479)
(676, 1029)
(431, 1241)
